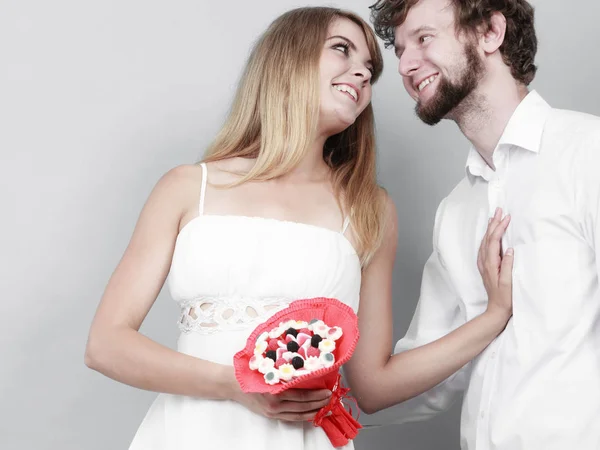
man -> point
(537, 386)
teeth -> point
(348, 89)
(426, 82)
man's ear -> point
(493, 37)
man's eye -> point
(425, 38)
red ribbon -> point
(339, 424)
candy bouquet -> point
(303, 347)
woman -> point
(284, 206)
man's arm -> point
(588, 192)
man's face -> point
(440, 69)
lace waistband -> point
(208, 315)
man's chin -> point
(435, 110)
(428, 116)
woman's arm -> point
(379, 380)
(115, 347)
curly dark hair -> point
(520, 42)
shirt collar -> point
(523, 130)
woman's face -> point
(346, 70)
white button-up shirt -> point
(537, 386)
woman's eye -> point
(342, 47)
(425, 38)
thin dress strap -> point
(346, 223)
(203, 189)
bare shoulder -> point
(178, 190)
(390, 230)
(181, 181)
(228, 170)
(382, 263)
(181, 175)
(390, 206)
(389, 213)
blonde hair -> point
(274, 118)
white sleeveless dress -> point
(228, 274)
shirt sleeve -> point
(588, 192)
(438, 313)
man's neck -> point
(483, 117)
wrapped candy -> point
(314, 338)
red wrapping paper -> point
(336, 421)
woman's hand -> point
(495, 269)
(292, 405)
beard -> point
(451, 94)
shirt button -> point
(482, 414)
(493, 355)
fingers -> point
(502, 299)
(493, 223)
(500, 229)
(492, 256)
(305, 395)
(299, 409)
(495, 268)
(296, 417)
(506, 268)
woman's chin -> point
(338, 125)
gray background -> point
(97, 100)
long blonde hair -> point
(274, 118)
